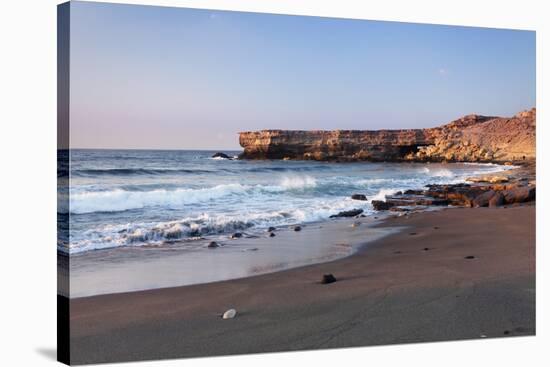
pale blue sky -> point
(175, 78)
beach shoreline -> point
(458, 273)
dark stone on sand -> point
(412, 233)
(426, 249)
(358, 197)
(272, 234)
(271, 229)
(496, 200)
(506, 332)
(221, 155)
(469, 257)
(348, 213)
(328, 278)
(436, 227)
(381, 205)
(483, 199)
(236, 235)
(213, 244)
(297, 229)
(397, 252)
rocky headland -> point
(472, 138)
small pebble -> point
(272, 234)
(213, 244)
(229, 314)
(328, 278)
(297, 229)
(469, 257)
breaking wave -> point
(121, 200)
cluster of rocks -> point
(465, 195)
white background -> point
(28, 182)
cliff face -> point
(472, 138)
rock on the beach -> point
(236, 235)
(380, 205)
(358, 197)
(271, 229)
(327, 279)
(483, 199)
(348, 213)
(297, 229)
(213, 244)
(272, 234)
(496, 200)
(519, 194)
(221, 155)
(229, 314)
(488, 179)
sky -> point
(144, 77)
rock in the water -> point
(348, 213)
(221, 155)
(236, 235)
(229, 314)
(328, 278)
(380, 205)
(297, 229)
(213, 244)
(271, 229)
(272, 234)
(358, 197)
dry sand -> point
(413, 286)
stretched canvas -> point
(233, 182)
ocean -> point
(131, 198)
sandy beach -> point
(459, 273)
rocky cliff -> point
(472, 138)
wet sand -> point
(413, 286)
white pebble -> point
(229, 314)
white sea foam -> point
(438, 172)
(147, 233)
(298, 182)
(381, 195)
(121, 200)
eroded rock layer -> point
(472, 138)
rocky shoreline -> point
(511, 187)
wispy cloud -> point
(443, 71)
